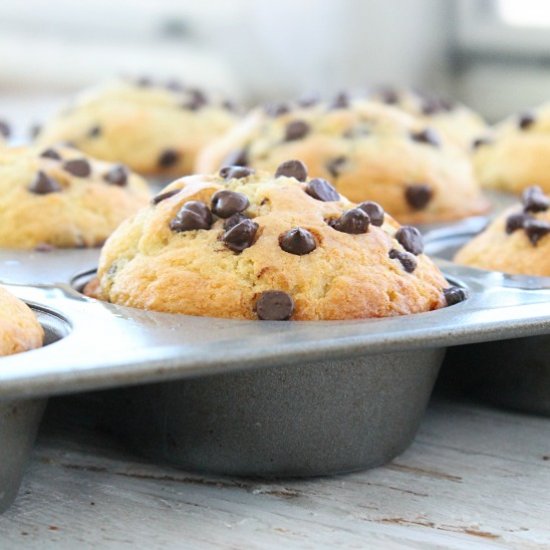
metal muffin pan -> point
(20, 418)
(514, 373)
(250, 397)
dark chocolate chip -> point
(525, 121)
(374, 210)
(428, 136)
(94, 132)
(229, 105)
(418, 195)
(236, 172)
(196, 101)
(78, 167)
(5, 129)
(354, 222)
(388, 96)
(334, 166)
(174, 85)
(50, 154)
(225, 203)
(274, 305)
(536, 230)
(192, 215)
(233, 220)
(341, 101)
(240, 236)
(408, 261)
(433, 106)
(322, 190)
(168, 158)
(410, 239)
(292, 169)
(236, 158)
(144, 82)
(163, 196)
(117, 175)
(297, 241)
(42, 184)
(515, 222)
(296, 129)
(534, 200)
(276, 109)
(308, 100)
(454, 295)
(481, 142)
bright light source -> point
(525, 13)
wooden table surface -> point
(475, 477)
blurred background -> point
(494, 55)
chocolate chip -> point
(163, 196)
(233, 220)
(308, 100)
(168, 158)
(192, 215)
(276, 109)
(454, 295)
(418, 195)
(341, 101)
(94, 132)
(428, 136)
(5, 129)
(42, 184)
(241, 235)
(354, 222)
(229, 105)
(144, 82)
(433, 106)
(525, 120)
(408, 261)
(334, 166)
(225, 203)
(117, 175)
(534, 200)
(292, 169)
(236, 172)
(78, 167)
(481, 142)
(515, 222)
(174, 85)
(196, 101)
(296, 129)
(410, 239)
(388, 96)
(322, 190)
(375, 211)
(50, 154)
(236, 158)
(274, 305)
(536, 230)
(297, 241)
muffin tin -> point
(514, 373)
(247, 397)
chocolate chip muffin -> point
(370, 151)
(452, 119)
(19, 328)
(517, 241)
(154, 129)
(517, 153)
(58, 197)
(273, 246)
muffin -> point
(19, 328)
(517, 153)
(154, 129)
(273, 246)
(58, 197)
(517, 241)
(457, 122)
(370, 151)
